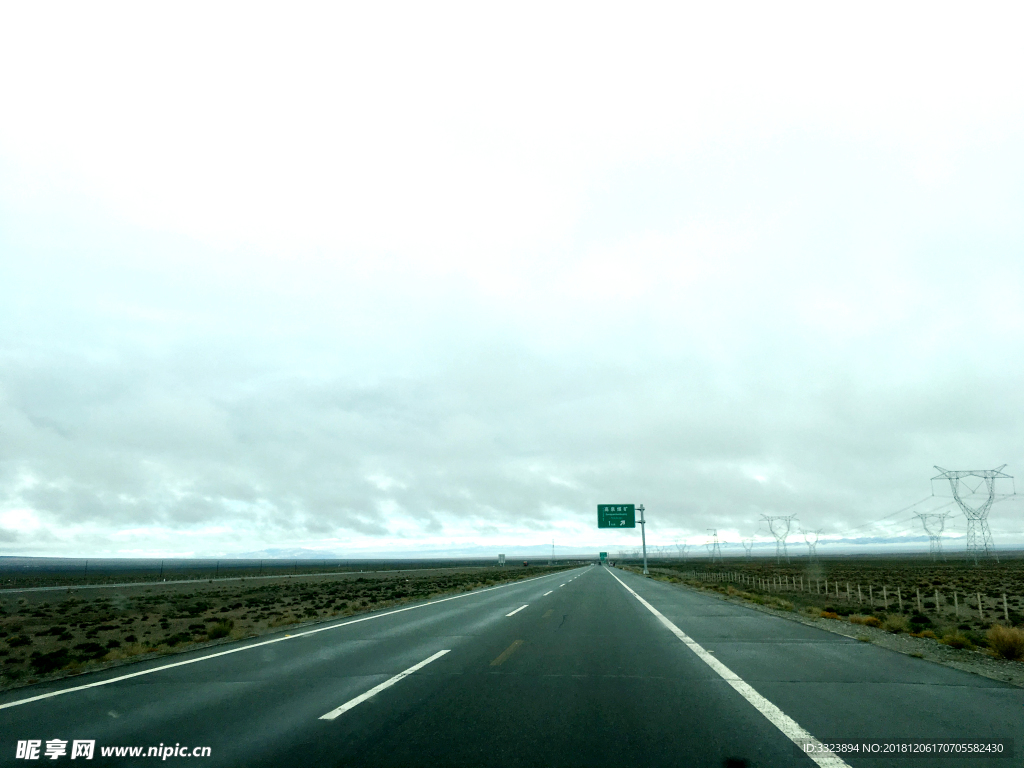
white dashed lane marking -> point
(377, 689)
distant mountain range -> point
(533, 551)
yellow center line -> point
(506, 653)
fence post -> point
(885, 598)
(919, 608)
(860, 597)
(871, 595)
(981, 613)
(956, 604)
(936, 602)
(900, 598)
(1006, 610)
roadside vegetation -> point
(41, 636)
(1000, 639)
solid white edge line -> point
(517, 610)
(825, 758)
(378, 688)
(260, 644)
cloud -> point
(365, 283)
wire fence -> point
(949, 604)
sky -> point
(440, 278)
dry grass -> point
(867, 621)
(1006, 642)
(956, 640)
(829, 615)
(896, 623)
(128, 651)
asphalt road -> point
(601, 667)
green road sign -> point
(616, 516)
(604, 555)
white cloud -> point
(399, 278)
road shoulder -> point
(926, 649)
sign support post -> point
(623, 516)
(643, 535)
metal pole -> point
(643, 535)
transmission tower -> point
(933, 524)
(812, 546)
(713, 549)
(779, 527)
(748, 544)
(979, 537)
(682, 550)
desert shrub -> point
(957, 640)
(840, 610)
(920, 619)
(829, 615)
(977, 638)
(178, 637)
(44, 663)
(58, 630)
(927, 633)
(1006, 642)
(220, 629)
(19, 640)
(90, 650)
(896, 623)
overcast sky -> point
(377, 277)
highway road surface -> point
(589, 667)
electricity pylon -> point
(779, 527)
(979, 537)
(682, 550)
(812, 546)
(933, 524)
(713, 549)
(748, 544)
